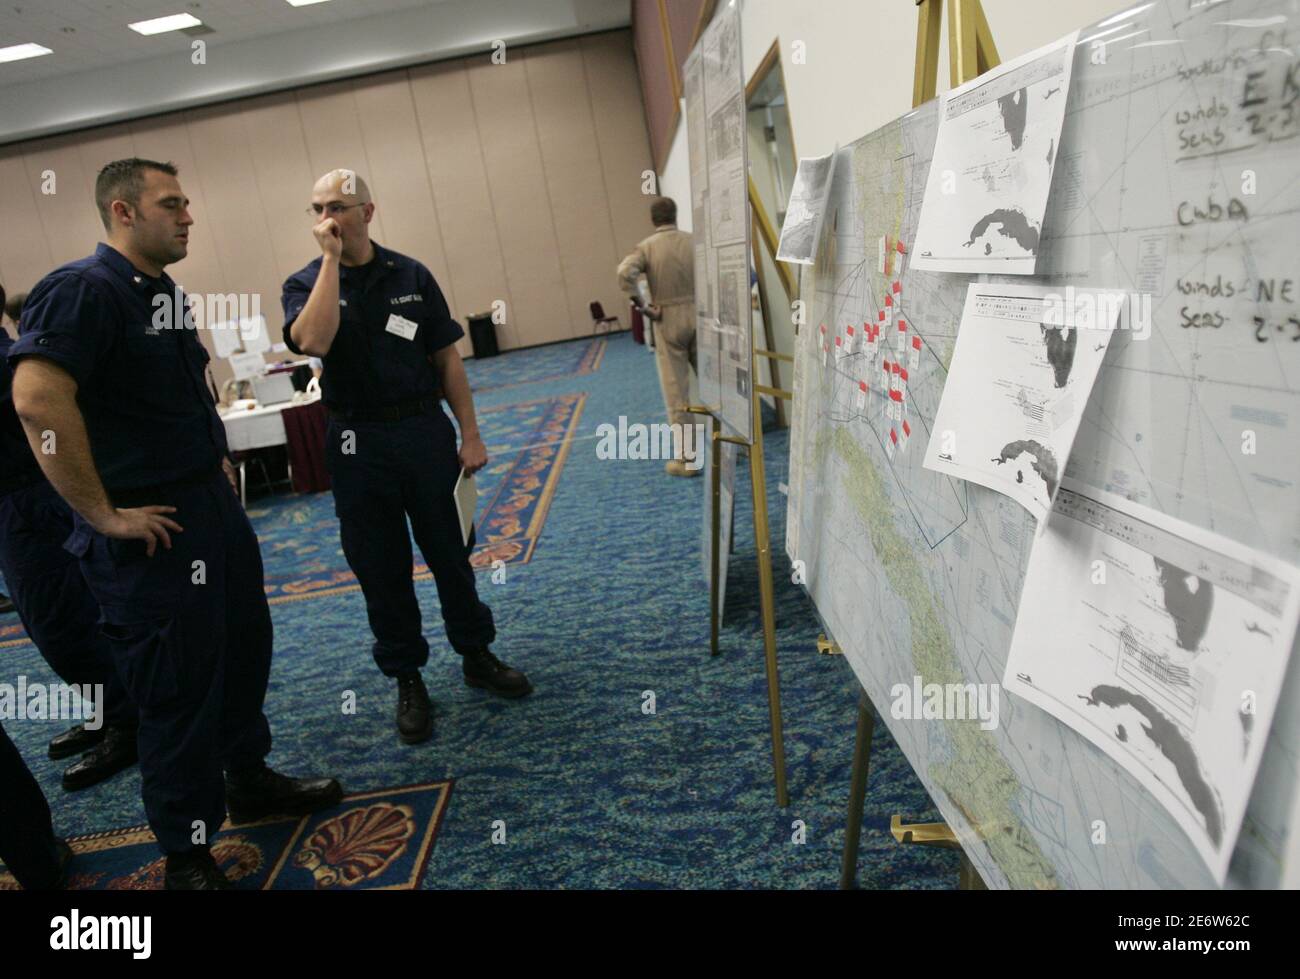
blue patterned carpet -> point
(574, 787)
(558, 361)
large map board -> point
(1178, 181)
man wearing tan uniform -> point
(667, 260)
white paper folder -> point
(466, 496)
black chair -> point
(599, 318)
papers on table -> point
(1163, 644)
(466, 496)
(246, 365)
(254, 333)
(1021, 372)
(807, 209)
(992, 167)
(250, 332)
(225, 338)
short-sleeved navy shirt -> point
(370, 365)
(17, 464)
(141, 373)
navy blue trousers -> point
(52, 599)
(383, 473)
(26, 834)
(191, 634)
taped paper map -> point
(1163, 644)
(1024, 366)
(992, 170)
(807, 208)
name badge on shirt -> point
(403, 327)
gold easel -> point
(761, 231)
(940, 835)
(971, 52)
(766, 588)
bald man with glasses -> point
(382, 328)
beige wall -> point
(518, 182)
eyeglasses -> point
(333, 208)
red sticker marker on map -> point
(889, 300)
(916, 343)
(898, 286)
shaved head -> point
(340, 201)
(349, 185)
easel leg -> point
(714, 585)
(857, 792)
(969, 878)
(767, 592)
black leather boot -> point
(259, 792)
(117, 751)
(414, 710)
(485, 671)
(195, 870)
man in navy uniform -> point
(110, 384)
(34, 855)
(54, 604)
(382, 327)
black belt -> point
(20, 480)
(385, 413)
(161, 493)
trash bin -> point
(483, 335)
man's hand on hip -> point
(142, 523)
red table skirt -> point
(304, 425)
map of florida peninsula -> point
(1189, 606)
(1164, 734)
(1012, 223)
(1060, 350)
(1044, 461)
(1013, 108)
